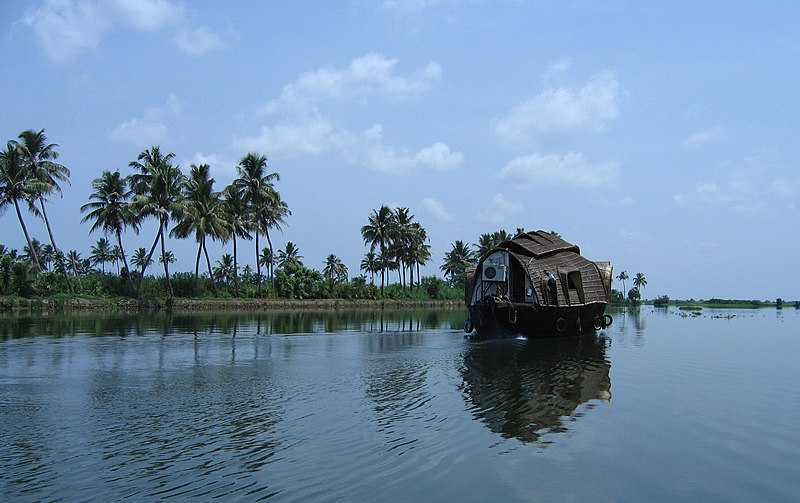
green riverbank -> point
(20, 304)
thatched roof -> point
(539, 253)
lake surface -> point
(399, 406)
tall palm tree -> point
(289, 255)
(405, 228)
(456, 261)
(157, 189)
(110, 210)
(167, 257)
(370, 264)
(488, 242)
(31, 251)
(274, 217)
(47, 256)
(334, 270)
(639, 281)
(266, 258)
(16, 186)
(622, 276)
(102, 253)
(202, 215)
(141, 259)
(238, 222)
(38, 158)
(224, 270)
(379, 233)
(256, 187)
(419, 251)
(75, 264)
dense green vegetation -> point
(188, 206)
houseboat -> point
(537, 285)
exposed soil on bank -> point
(17, 304)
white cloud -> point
(311, 135)
(556, 112)
(150, 129)
(301, 128)
(554, 169)
(197, 41)
(223, 169)
(437, 157)
(704, 137)
(558, 67)
(67, 28)
(140, 132)
(436, 209)
(501, 211)
(373, 74)
(739, 195)
(146, 15)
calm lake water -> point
(399, 406)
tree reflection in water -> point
(525, 388)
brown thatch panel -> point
(538, 244)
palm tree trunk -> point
(124, 259)
(27, 238)
(164, 258)
(197, 261)
(210, 273)
(235, 268)
(149, 258)
(271, 270)
(53, 240)
(258, 267)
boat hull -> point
(507, 319)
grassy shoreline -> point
(20, 304)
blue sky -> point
(661, 137)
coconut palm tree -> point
(274, 217)
(167, 257)
(403, 228)
(102, 253)
(110, 210)
(256, 187)
(334, 270)
(488, 242)
(202, 215)
(141, 259)
(38, 158)
(16, 186)
(289, 255)
(370, 264)
(639, 281)
(622, 276)
(266, 258)
(47, 255)
(456, 261)
(31, 251)
(238, 222)
(379, 232)
(116, 256)
(76, 265)
(419, 252)
(157, 189)
(224, 270)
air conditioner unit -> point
(492, 272)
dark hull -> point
(535, 321)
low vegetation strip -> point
(193, 305)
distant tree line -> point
(188, 205)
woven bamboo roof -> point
(540, 253)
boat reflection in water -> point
(526, 388)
